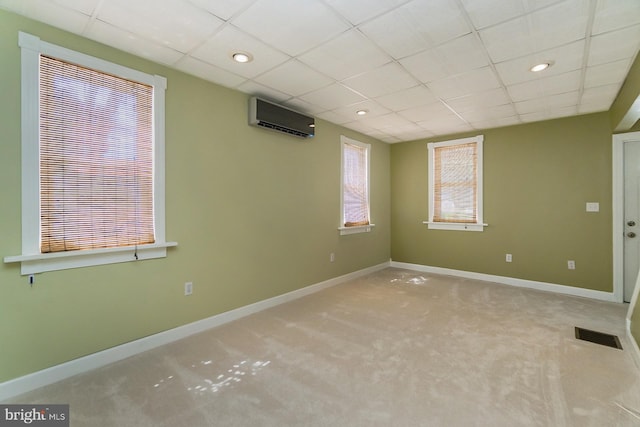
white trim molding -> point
(68, 369)
(618, 141)
(635, 350)
(441, 225)
(512, 281)
(31, 258)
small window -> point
(96, 163)
(355, 187)
(455, 184)
(92, 161)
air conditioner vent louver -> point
(282, 129)
(275, 117)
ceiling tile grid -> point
(418, 68)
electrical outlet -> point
(571, 264)
(188, 288)
(508, 258)
(332, 257)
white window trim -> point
(479, 224)
(356, 229)
(32, 260)
(359, 228)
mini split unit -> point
(275, 117)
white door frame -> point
(618, 218)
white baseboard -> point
(68, 369)
(542, 286)
(635, 351)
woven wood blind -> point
(356, 194)
(96, 159)
(455, 173)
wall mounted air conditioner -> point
(275, 117)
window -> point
(93, 161)
(355, 187)
(455, 184)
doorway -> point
(626, 214)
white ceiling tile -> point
(484, 13)
(263, 92)
(604, 74)
(409, 132)
(426, 112)
(552, 85)
(336, 118)
(301, 106)
(549, 103)
(209, 72)
(333, 96)
(590, 108)
(565, 58)
(294, 29)
(556, 113)
(293, 78)
(407, 98)
(132, 43)
(359, 127)
(416, 26)
(478, 80)
(432, 40)
(547, 28)
(50, 13)
(445, 125)
(171, 23)
(615, 14)
(490, 113)
(373, 110)
(599, 98)
(86, 7)
(218, 50)
(613, 46)
(496, 123)
(381, 81)
(457, 56)
(534, 117)
(391, 140)
(223, 9)
(387, 122)
(385, 137)
(477, 101)
(347, 55)
(358, 11)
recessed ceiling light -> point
(540, 67)
(242, 57)
(362, 112)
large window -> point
(455, 184)
(93, 160)
(355, 210)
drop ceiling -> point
(420, 68)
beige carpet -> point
(395, 348)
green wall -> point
(255, 214)
(537, 180)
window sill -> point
(39, 263)
(454, 226)
(355, 230)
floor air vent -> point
(598, 338)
